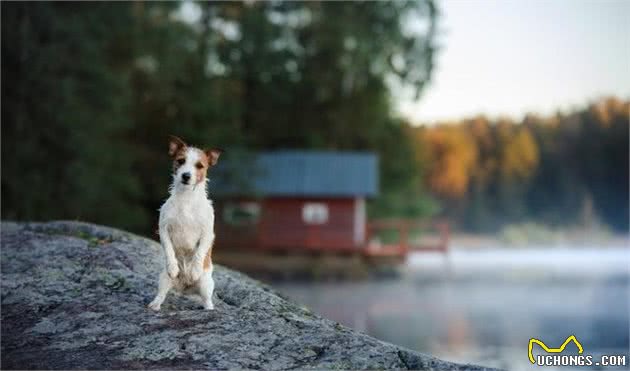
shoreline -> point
(583, 240)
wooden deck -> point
(388, 245)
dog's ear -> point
(175, 144)
(213, 155)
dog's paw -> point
(173, 270)
(154, 305)
(208, 305)
(196, 272)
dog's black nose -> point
(185, 177)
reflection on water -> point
(483, 306)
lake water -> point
(483, 306)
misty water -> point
(483, 306)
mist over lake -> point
(483, 306)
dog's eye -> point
(181, 161)
(199, 165)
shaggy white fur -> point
(186, 229)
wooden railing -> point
(395, 237)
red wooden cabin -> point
(296, 200)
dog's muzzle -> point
(185, 178)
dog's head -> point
(190, 164)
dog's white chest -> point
(186, 222)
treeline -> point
(568, 170)
(90, 92)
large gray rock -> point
(74, 295)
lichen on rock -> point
(74, 296)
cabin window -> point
(241, 213)
(315, 213)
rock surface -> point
(74, 296)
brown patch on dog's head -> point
(175, 145)
(207, 159)
(213, 155)
(177, 150)
(202, 165)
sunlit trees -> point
(449, 156)
(555, 170)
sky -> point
(510, 57)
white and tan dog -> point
(187, 225)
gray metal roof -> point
(298, 173)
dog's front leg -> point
(205, 244)
(169, 253)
